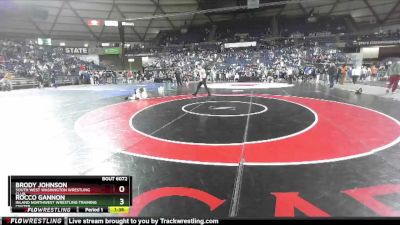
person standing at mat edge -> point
(178, 77)
(394, 76)
(343, 73)
(203, 80)
(332, 71)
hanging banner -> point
(91, 23)
(128, 24)
(385, 42)
(76, 51)
(253, 4)
(111, 23)
(112, 51)
(240, 44)
(44, 41)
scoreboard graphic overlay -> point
(67, 194)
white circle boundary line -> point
(373, 151)
(226, 144)
(222, 115)
(179, 160)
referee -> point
(203, 80)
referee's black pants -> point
(202, 82)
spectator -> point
(343, 74)
(394, 76)
(332, 72)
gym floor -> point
(245, 152)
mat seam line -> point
(239, 174)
